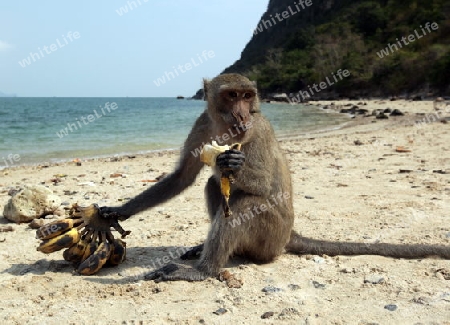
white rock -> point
(30, 203)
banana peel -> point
(208, 155)
(57, 243)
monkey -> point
(261, 176)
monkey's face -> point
(236, 107)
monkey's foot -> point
(193, 254)
(176, 272)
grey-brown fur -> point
(263, 176)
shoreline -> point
(352, 122)
(151, 153)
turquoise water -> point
(53, 129)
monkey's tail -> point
(304, 245)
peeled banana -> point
(208, 155)
(64, 240)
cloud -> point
(5, 46)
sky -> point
(119, 48)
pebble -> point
(443, 274)
(86, 183)
(318, 285)
(271, 289)
(293, 287)
(318, 260)
(374, 279)
(6, 229)
(267, 314)
(12, 191)
(36, 223)
(220, 311)
(288, 313)
(396, 112)
(391, 307)
(382, 116)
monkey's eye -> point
(248, 95)
(233, 94)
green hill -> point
(387, 46)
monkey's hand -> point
(230, 160)
(113, 213)
(175, 272)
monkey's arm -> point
(249, 174)
(255, 176)
(173, 184)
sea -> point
(44, 130)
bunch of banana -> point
(208, 155)
(87, 237)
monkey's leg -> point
(251, 232)
(220, 244)
(214, 256)
(214, 200)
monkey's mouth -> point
(243, 127)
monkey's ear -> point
(255, 84)
(205, 88)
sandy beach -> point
(350, 184)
